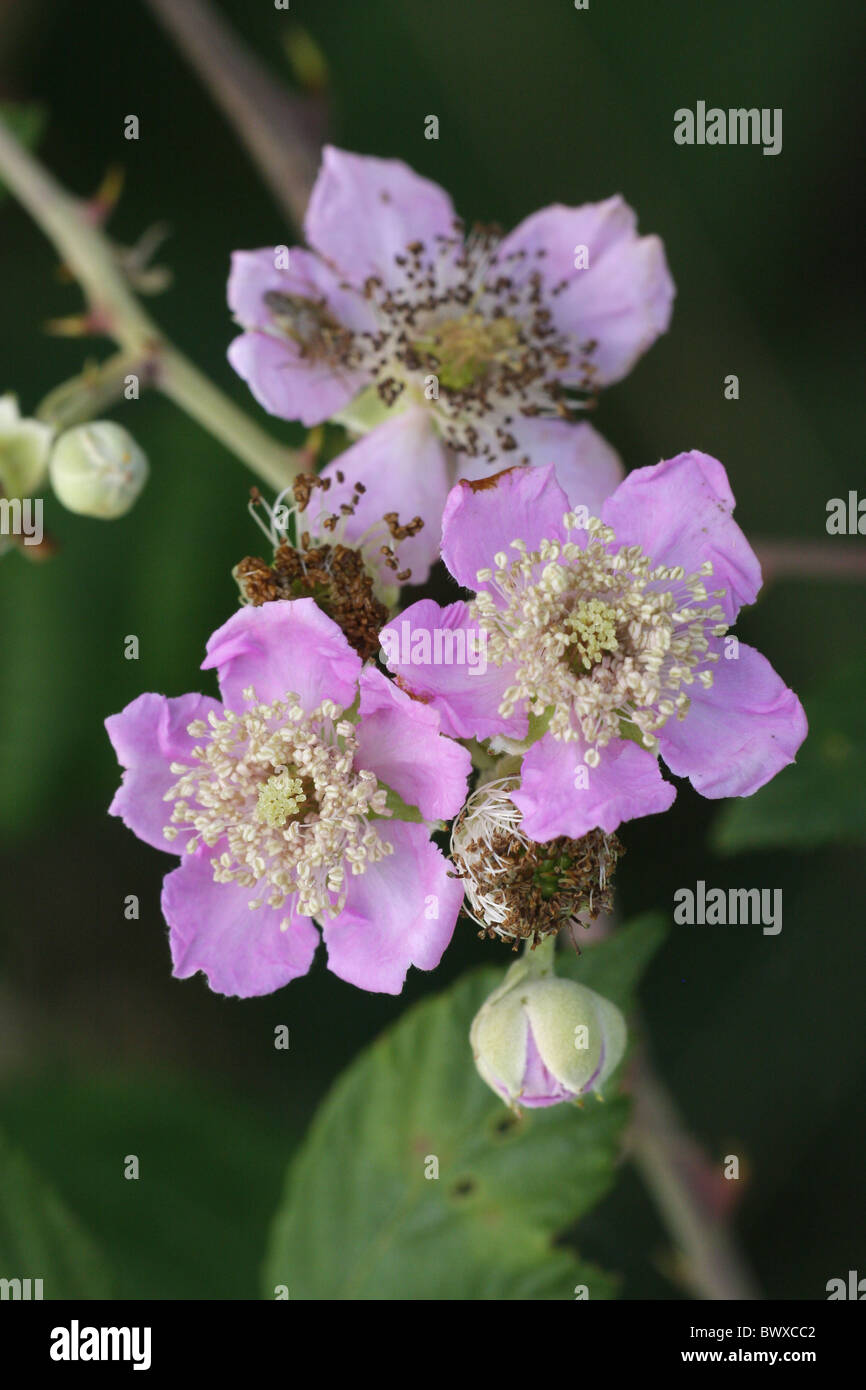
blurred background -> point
(761, 1038)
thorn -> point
(100, 207)
(73, 326)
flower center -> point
(274, 791)
(592, 626)
(462, 350)
(281, 798)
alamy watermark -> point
(22, 517)
(736, 126)
(438, 646)
(735, 907)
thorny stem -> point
(810, 559)
(114, 311)
(675, 1171)
(671, 1164)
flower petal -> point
(679, 511)
(484, 517)
(588, 469)
(147, 736)
(256, 273)
(400, 740)
(621, 300)
(286, 645)
(399, 912)
(289, 385)
(404, 469)
(738, 734)
(560, 795)
(440, 656)
(242, 951)
(540, 1086)
(365, 211)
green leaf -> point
(819, 799)
(26, 122)
(361, 1221)
(39, 1237)
(195, 1221)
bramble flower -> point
(604, 646)
(457, 350)
(540, 1040)
(307, 794)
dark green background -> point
(761, 1038)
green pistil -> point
(547, 875)
(465, 348)
(280, 799)
(593, 632)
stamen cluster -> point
(604, 643)
(275, 790)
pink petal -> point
(464, 689)
(365, 211)
(553, 800)
(286, 645)
(679, 511)
(738, 734)
(242, 951)
(254, 274)
(484, 517)
(399, 912)
(400, 740)
(404, 469)
(540, 1086)
(147, 737)
(588, 469)
(621, 301)
(289, 385)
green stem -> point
(115, 311)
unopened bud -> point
(24, 446)
(98, 469)
(540, 1040)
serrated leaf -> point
(41, 1239)
(820, 798)
(360, 1220)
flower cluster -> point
(306, 799)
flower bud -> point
(98, 469)
(539, 1040)
(24, 446)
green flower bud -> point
(540, 1040)
(98, 469)
(24, 447)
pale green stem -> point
(115, 311)
(670, 1163)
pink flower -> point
(301, 796)
(451, 352)
(603, 647)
